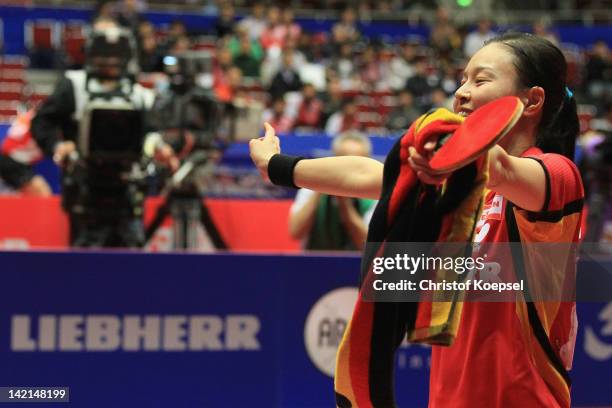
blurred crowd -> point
(312, 82)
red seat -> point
(8, 112)
(42, 34)
(12, 75)
(10, 91)
(74, 42)
(13, 62)
(349, 93)
(369, 119)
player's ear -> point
(533, 100)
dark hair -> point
(540, 63)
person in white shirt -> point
(476, 39)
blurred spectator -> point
(221, 82)
(210, 8)
(299, 59)
(419, 84)
(599, 72)
(370, 68)
(225, 21)
(273, 36)
(242, 35)
(603, 122)
(343, 120)
(228, 84)
(439, 99)
(248, 64)
(22, 178)
(311, 46)
(277, 116)
(287, 79)
(176, 30)
(344, 66)
(310, 109)
(325, 222)
(402, 117)
(292, 29)
(541, 28)
(476, 39)
(104, 9)
(443, 36)
(149, 58)
(255, 24)
(448, 82)
(345, 30)
(400, 68)
(181, 44)
(247, 54)
(19, 153)
(129, 16)
(333, 99)
(595, 159)
(145, 28)
(364, 10)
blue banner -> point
(140, 330)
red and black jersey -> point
(500, 359)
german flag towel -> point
(408, 211)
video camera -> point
(189, 69)
(189, 115)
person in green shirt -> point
(325, 222)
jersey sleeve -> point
(560, 217)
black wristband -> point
(280, 169)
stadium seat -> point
(73, 41)
(42, 34)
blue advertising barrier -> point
(143, 330)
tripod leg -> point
(161, 214)
(211, 228)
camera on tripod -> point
(189, 120)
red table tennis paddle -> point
(482, 129)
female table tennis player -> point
(500, 357)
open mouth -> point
(464, 113)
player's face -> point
(490, 74)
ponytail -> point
(560, 135)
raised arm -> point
(349, 176)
